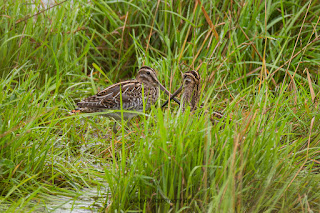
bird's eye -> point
(148, 73)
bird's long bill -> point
(168, 93)
(173, 96)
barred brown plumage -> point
(191, 89)
(191, 93)
(131, 95)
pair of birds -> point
(128, 95)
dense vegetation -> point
(259, 62)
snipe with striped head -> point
(130, 92)
(191, 89)
(191, 93)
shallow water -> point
(92, 200)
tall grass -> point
(259, 63)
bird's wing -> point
(109, 98)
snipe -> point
(191, 89)
(191, 93)
(131, 95)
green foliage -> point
(259, 62)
